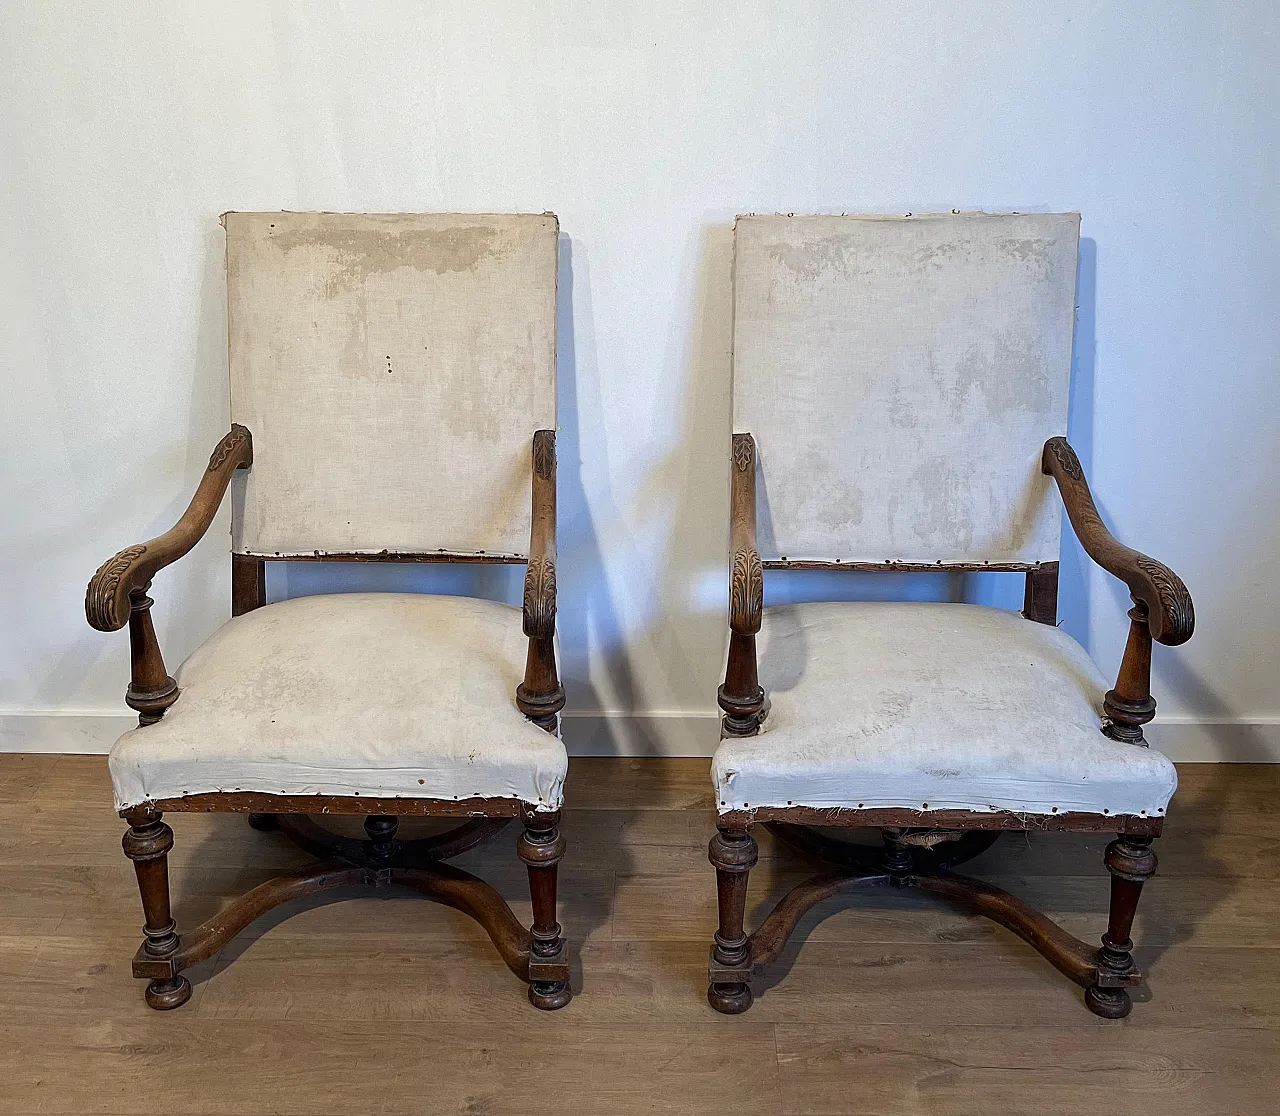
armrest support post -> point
(740, 696)
(117, 593)
(151, 691)
(540, 697)
(1130, 705)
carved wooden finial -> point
(1066, 458)
(237, 440)
(544, 453)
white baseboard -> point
(1188, 740)
(1182, 739)
(72, 733)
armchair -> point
(399, 373)
(905, 380)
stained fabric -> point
(901, 376)
(932, 707)
(392, 370)
(377, 694)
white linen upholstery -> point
(932, 707)
(901, 376)
(396, 695)
(392, 369)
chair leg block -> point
(729, 986)
(550, 968)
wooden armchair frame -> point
(920, 849)
(117, 595)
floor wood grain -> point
(883, 1004)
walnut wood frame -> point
(920, 848)
(117, 595)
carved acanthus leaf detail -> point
(544, 453)
(100, 599)
(744, 452)
(540, 599)
(1178, 618)
(232, 443)
(746, 592)
(1066, 458)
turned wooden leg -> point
(381, 831)
(383, 847)
(541, 847)
(1131, 862)
(734, 853)
(147, 844)
(898, 860)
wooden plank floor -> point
(885, 1004)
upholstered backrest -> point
(900, 376)
(392, 369)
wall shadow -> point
(1074, 564)
(586, 615)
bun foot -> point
(165, 995)
(1110, 1003)
(263, 823)
(549, 995)
(729, 999)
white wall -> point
(127, 127)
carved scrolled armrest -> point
(108, 601)
(1169, 611)
(540, 697)
(117, 593)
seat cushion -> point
(932, 707)
(394, 695)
